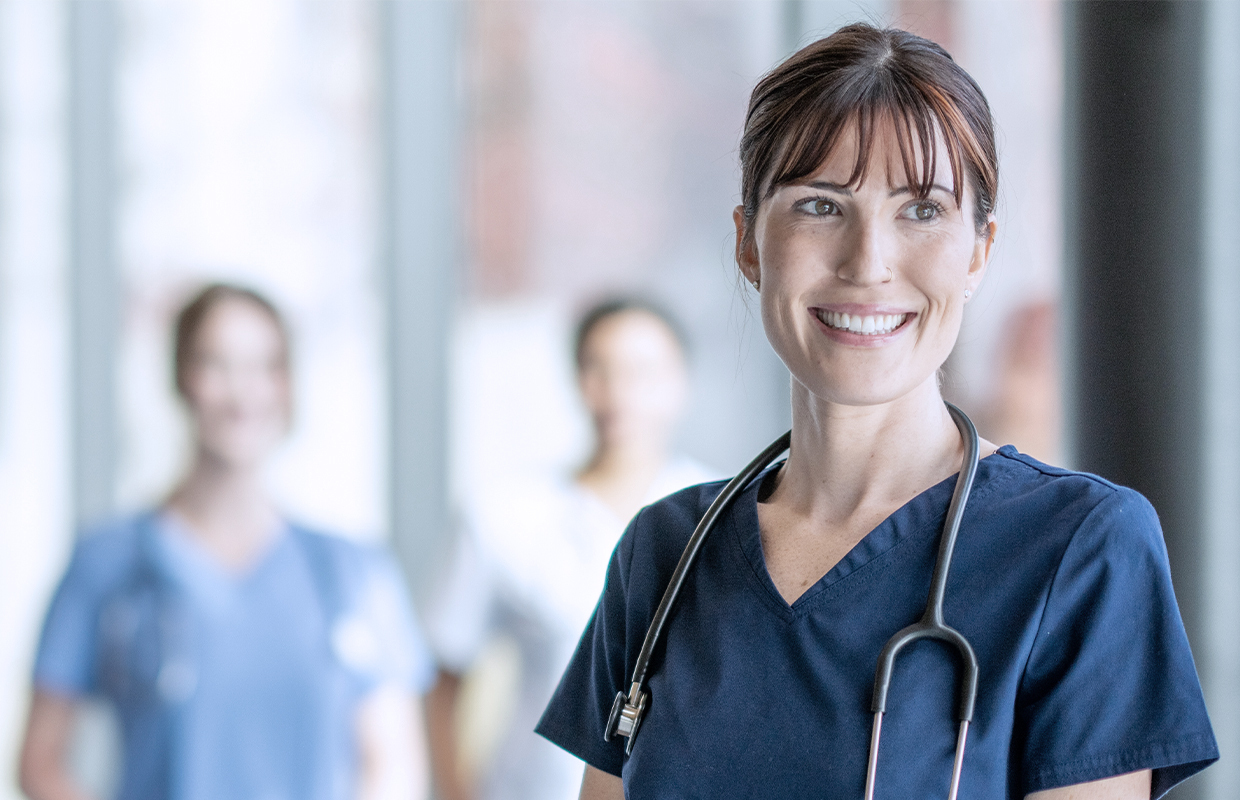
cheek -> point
(591, 390)
(274, 394)
(205, 393)
(940, 270)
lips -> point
(865, 325)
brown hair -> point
(190, 319)
(619, 305)
(863, 75)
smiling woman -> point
(869, 173)
(245, 655)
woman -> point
(869, 176)
(246, 656)
(535, 551)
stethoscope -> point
(628, 710)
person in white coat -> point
(533, 552)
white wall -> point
(34, 413)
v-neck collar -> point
(197, 569)
(921, 516)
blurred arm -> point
(1133, 786)
(599, 785)
(441, 706)
(43, 771)
(391, 746)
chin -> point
(240, 454)
(861, 394)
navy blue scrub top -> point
(1060, 582)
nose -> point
(864, 263)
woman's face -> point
(237, 384)
(863, 289)
(632, 378)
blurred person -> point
(869, 173)
(533, 553)
(246, 656)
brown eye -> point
(823, 207)
(925, 211)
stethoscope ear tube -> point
(931, 624)
(627, 710)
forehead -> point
(631, 329)
(885, 154)
(905, 149)
(236, 322)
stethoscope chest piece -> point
(626, 716)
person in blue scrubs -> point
(247, 657)
(869, 178)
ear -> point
(746, 250)
(982, 249)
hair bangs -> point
(914, 118)
(883, 82)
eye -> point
(924, 210)
(819, 207)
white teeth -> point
(866, 326)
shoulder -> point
(658, 534)
(354, 560)
(1080, 505)
(1024, 475)
(106, 554)
(355, 576)
(516, 511)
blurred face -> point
(863, 288)
(236, 385)
(632, 378)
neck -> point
(222, 501)
(848, 458)
(625, 458)
(621, 475)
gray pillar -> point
(93, 286)
(421, 43)
(1135, 266)
(1219, 658)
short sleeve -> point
(460, 617)
(65, 661)
(1110, 686)
(405, 659)
(577, 715)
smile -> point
(876, 325)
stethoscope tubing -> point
(628, 709)
(931, 625)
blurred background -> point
(434, 190)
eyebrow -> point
(844, 190)
(830, 187)
(933, 186)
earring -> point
(968, 293)
(755, 284)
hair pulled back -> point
(192, 316)
(866, 76)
